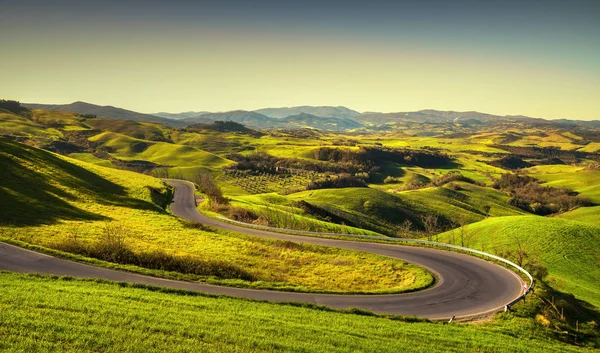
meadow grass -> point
(49, 313)
(49, 199)
(577, 178)
(583, 214)
(181, 155)
(381, 212)
(21, 126)
(90, 158)
(120, 145)
(568, 249)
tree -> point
(404, 229)
(430, 223)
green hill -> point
(570, 250)
(584, 214)
(577, 178)
(383, 212)
(106, 111)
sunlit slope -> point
(380, 211)
(583, 214)
(21, 126)
(119, 144)
(585, 181)
(180, 155)
(570, 250)
(40, 187)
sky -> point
(535, 58)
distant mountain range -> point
(105, 111)
(321, 117)
(323, 111)
(179, 116)
(256, 120)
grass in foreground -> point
(42, 313)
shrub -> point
(527, 194)
(207, 185)
(112, 247)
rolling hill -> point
(103, 112)
(322, 111)
(304, 120)
(248, 118)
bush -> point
(343, 181)
(450, 177)
(112, 247)
(207, 185)
(527, 194)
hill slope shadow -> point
(30, 195)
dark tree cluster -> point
(548, 153)
(12, 106)
(375, 156)
(450, 177)
(225, 126)
(341, 181)
(527, 194)
(265, 163)
(511, 162)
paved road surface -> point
(467, 286)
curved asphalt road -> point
(467, 286)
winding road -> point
(467, 286)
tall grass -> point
(112, 247)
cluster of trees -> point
(527, 194)
(340, 181)
(512, 162)
(265, 163)
(548, 153)
(225, 126)
(371, 157)
(206, 184)
(450, 177)
(87, 116)
(12, 106)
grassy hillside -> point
(584, 214)
(570, 250)
(17, 125)
(584, 181)
(51, 200)
(62, 314)
(180, 155)
(376, 210)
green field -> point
(577, 178)
(569, 249)
(584, 214)
(61, 314)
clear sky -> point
(536, 58)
